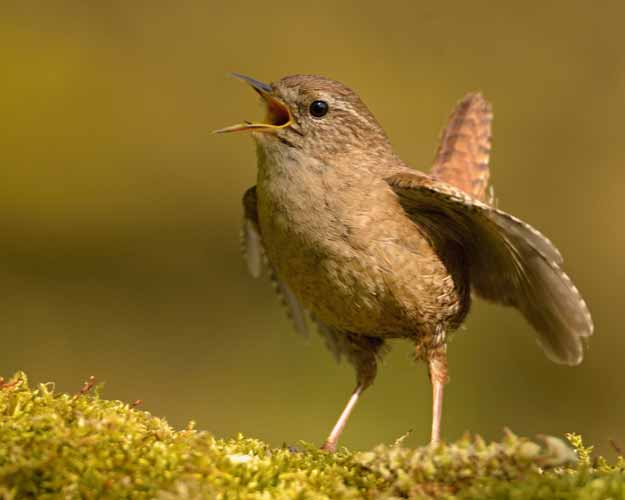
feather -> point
(509, 261)
(463, 153)
(257, 259)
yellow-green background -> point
(119, 212)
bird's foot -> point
(329, 446)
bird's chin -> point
(266, 141)
(275, 144)
(266, 136)
(262, 137)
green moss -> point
(81, 446)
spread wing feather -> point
(254, 252)
(509, 261)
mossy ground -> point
(55, 445)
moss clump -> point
(81, 446)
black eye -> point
(319, 108)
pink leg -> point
(437, 361)
(333, 438)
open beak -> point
(278, 114)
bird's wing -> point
(257, 261)
(509, 261)
(463, 153)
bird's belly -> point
(384, 288)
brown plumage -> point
(464, 150)
(373, 250)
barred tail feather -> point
(463, 154)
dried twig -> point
(9, 385)
(617, 447)
(87, 386)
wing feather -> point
(509, 261)
(257, 260)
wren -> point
(371, 249)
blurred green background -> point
(120, 212)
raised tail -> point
(463, 153)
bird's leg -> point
(437, 368)
(362, 352)
(333, 438)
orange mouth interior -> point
(278, 114)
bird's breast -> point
(346, 249)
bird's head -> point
(322, 118)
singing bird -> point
(371, 249)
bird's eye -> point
(319, 108)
